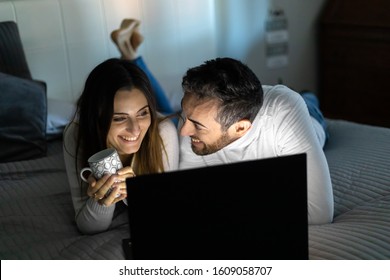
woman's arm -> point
(91, 217)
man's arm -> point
(296, 134)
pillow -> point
(59, 114)
(23, 114)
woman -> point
(117, 110)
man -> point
(228, 116)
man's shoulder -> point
(280, 94)
(279, 90)
(279, 98)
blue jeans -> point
(163, 104)
(313, 106)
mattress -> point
(359, 162)
(37, 216)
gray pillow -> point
(23, 114)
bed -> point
(37, 217)
(359, 161)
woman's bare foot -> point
(123, 38)
(136, 39)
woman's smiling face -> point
(130, 122)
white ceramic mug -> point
(103, 162)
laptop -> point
(250, 210)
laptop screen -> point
(246, 210)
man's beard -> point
(222, 142)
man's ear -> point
(241, 127)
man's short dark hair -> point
(232, 83)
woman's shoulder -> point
(167, 125)
(70, 129)
(169, 135)
(70, 135)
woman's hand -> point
(111, 188)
